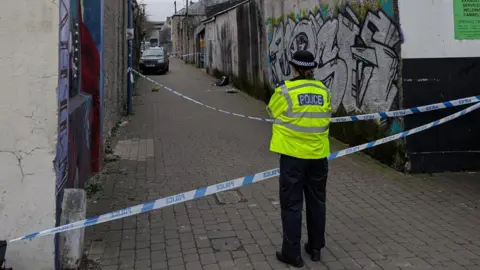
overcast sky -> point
(160, 9)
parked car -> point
(155, 60)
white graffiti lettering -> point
(357, 60)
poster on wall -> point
(63, 95)
(466, 19)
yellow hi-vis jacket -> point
(302, 112)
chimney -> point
(175, 5)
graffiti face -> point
(357, 60)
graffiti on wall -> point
(62, 95)
(93, 19)
(61, 156)
(90, 73)
(85, 95)
(79, 141)
(356, 54)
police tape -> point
(228, 185)
(370, 116)
(183, 55)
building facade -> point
(28, 72)
(63, 100)
(155, 31)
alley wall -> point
(222, 48)
(28, 73)
(235, 42)
(439, 67)
(115, 64)
(365, 60)
(355, 43)
(357, 47)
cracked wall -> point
(28, 72)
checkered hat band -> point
(303, 64)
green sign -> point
(466, 19)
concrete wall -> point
(183, 28)
(28, 72)
(235, 42)
(222, 44)
(358, 62)
(183, 40)
(115, 63)
(357, 45)
(176, 40)
(188, 29)
(418, 18)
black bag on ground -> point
(222, 82)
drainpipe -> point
(130, 57)
(187, 27)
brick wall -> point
(115, 63)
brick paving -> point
(377, 218)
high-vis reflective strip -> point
(307, 114)
(300, 128)
(284, 92)
(308, 85)
(270, 112)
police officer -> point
(302, 112)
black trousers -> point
(299, 176)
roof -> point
(196, 9)
(221, 8)
(157, 22)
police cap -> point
(303, 59)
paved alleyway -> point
(377, 218)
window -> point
(153, 52)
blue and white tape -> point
(231, 184)
(183, 55)
(370, 116)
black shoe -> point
(314, 253)
(297, 262)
